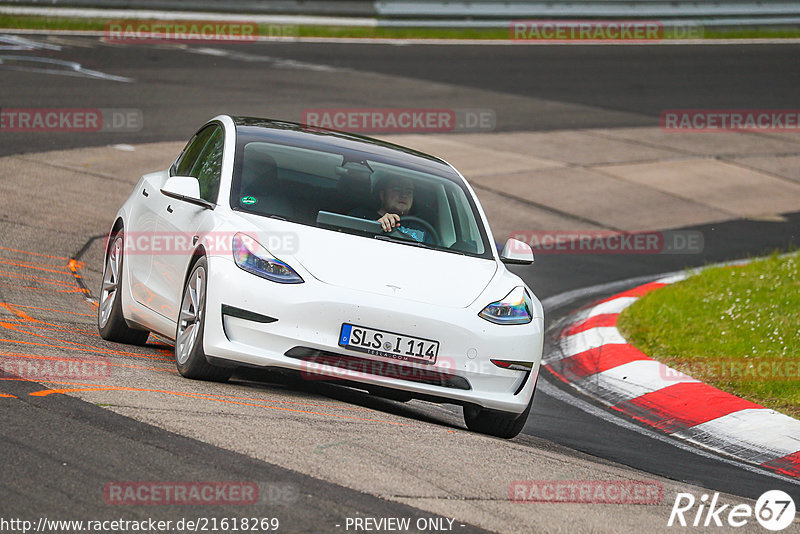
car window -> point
(192, 151)
(339, 190)
(467, 232)
(208, 167)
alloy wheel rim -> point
(110, 281)
(191, 315)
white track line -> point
(631, 380)
(776, 435)
(587, 340)
(612, 306)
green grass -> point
(55, 23)
(32, 22)
(752, 33)
(736, 328)
(14, 22)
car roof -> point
(317, 138)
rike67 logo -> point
(774, 510)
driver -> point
(396, 196)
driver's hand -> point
(389, 221)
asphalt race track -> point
(528, 87)
(60, 450)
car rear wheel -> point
(189, 354)
(110, 321)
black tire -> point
(495, 423)
(110, 321)
(190, 357)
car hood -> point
(393, 269)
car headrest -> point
(354, 180)
(259, 173)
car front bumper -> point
(309, 317)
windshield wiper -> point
(384, 237)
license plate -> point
(388, 344)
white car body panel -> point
(347, 279)
(388, 269)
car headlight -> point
(250, 256)
(514, 308)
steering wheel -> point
(425, 224)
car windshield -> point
(348, 192)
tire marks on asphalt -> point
(59, 339)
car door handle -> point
(145, 193)
(169, 208)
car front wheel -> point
(189, 354)
(494, 423)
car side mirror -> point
(187, 189)
(517, 253)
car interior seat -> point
(260, 181)
(354, 185)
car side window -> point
(208, 168)
(192, 152)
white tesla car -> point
(274, 244)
